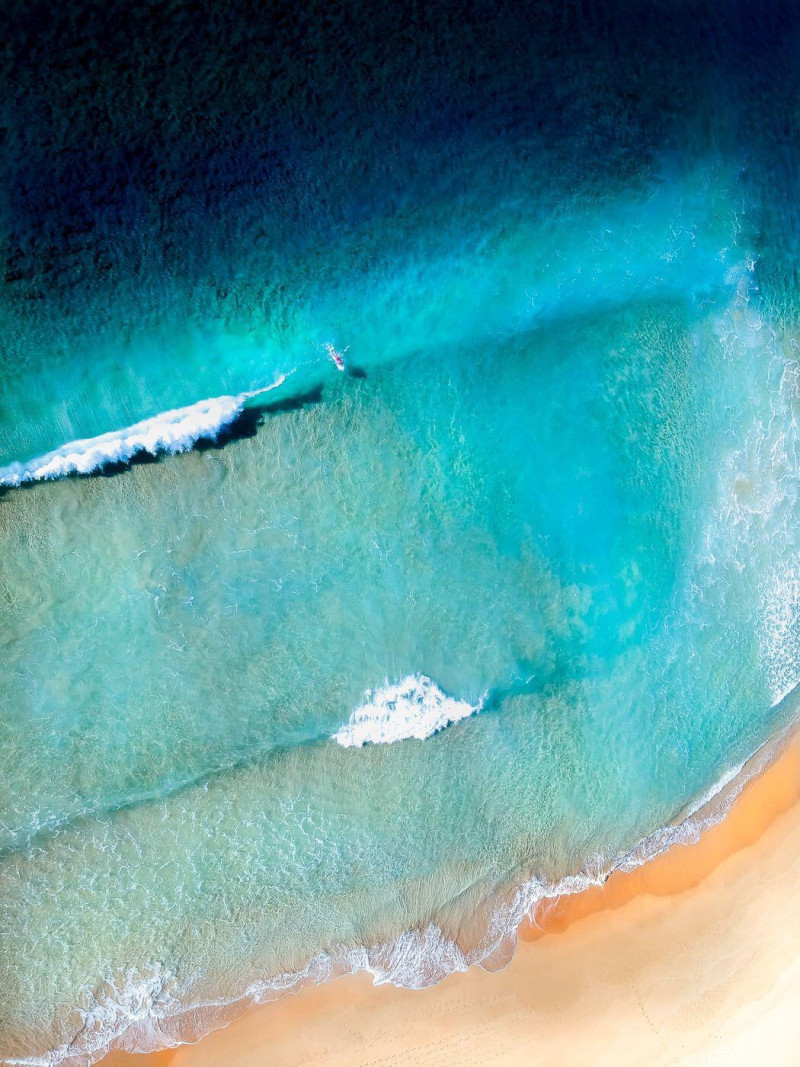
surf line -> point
(169, 433)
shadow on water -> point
(248, 421)
(245, 424)
(293, 403)
(118, 466)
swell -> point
(180, 429)
(414, 708)
(144, 1012)
(169, 433)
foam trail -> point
(415, 707)
(168, 433)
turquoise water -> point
(550, 509)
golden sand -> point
(691, 959)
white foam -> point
(170, 432)
(748, 562)
(142, 1012)
(415, 707)
(136, 1002)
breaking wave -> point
(144, 1012)
(415, 707)
(165, 434)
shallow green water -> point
(545, 523)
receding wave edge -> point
(143, 1013)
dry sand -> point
(692, 959)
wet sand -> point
(691, 959)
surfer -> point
(337, 357)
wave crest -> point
(165, 434)
(415, 707)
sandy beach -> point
(693, 958)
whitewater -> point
(144, 1012)
(168, 433)
(412, 708)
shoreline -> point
(620, 914)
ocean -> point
(309, 670)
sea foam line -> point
(414, 707)
(142, 1012)
(166, 434)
